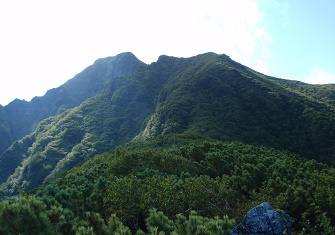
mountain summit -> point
(20, 117)
(120, 99)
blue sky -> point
(45, 43)
(303, 37)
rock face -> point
(262, 219)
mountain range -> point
(121, 99)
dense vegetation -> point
(176, 183)
(5, 137)
(323, 93)
(20, 117)
(61, 142)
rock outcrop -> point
(262, 219)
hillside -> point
(5, 138)
(198, 186)
(20, 117)
(126, 100)
(224, 100)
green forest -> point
(176, 184)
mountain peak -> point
(127, 56)
(163, 58)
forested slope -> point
(20, 117)
(59, 143)
(176, 174)
(5, 137)
(222, 99)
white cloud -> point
(238, 30)
(318, 75)
(45, 43)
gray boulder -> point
(262, 219)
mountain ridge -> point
(23, 116)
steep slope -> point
(208, 94)
(99, 124)
(5, 136)
(23, 117)
(224, 100)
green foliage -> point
(232, 103)
(314, 221)
(63, 141)
(29, 216)
(126, 162)
(5, 133)
(16, 153)
(159, 221)
(180, 173)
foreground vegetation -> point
(178, 184)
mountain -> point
(120, 99)
(20, 117)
